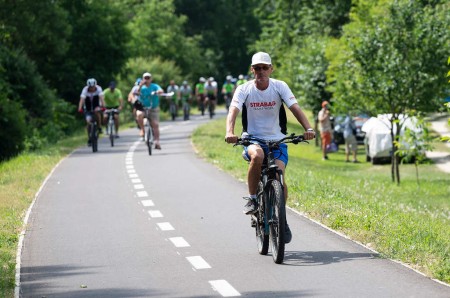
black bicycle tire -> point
(149, 144)
(278, 220)
(262, 239)
(94, 138)
(111, 134)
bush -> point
(12, 127)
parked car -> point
(338, 128)
(377, 140)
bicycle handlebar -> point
(112, 111)
(292, 138)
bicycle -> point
(111, 127)
(149, 135)
(269, 220)
(93, 133)
(186, 110)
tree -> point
(156, 31)
(392, 62)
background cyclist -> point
(185, 95)
(241, 80)
(200, 94)
(91, 103)
(173, 100)
(263, 99)
(113, 100)
(148, 96)
(227, 91)
(211, 93)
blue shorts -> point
(281, 153)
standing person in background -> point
(113, 100)
(148, 96)
(325, 128)
(200, 94)
(350, 139)
(91, 103)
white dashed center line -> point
(198, 262)
(179, 242)
(165, 226)
(155, 213)
(224, 288)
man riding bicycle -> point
(227, 91)
(200, 94)
(261, 102)
(91, 103)
(113, 100)
(185, 95)
(148, 96)
(211, 93)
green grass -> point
(407, 222)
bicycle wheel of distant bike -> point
(277, 221)
(262, 235)
(149, 139)
(111, 130)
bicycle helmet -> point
(202, 80)
(241, 77)
(91, 82)
(229, 77)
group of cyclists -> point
(146, 94)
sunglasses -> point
(147, 78)
(258, 68)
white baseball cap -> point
(147, 74)
(261, 58)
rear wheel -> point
(262, 238)
(277, 221)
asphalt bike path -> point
(121, 223)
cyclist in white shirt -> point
(91, 102)
(261, 101)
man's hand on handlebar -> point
(231, 138)
(309, 134)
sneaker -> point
(116, 136)
(250, 207)
(287, 234)
(142, 139)
(158, 146)
(89, 143)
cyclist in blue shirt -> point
(148, 96)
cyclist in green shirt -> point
(113, 100)
(200, 94)
(227, 91)
(241, 80)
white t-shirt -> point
(85, 93)
(263, 107)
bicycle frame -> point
(111, 124)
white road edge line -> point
(224, 288)
(24, 227)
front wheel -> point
(262, 233)
(277, 221)
(111, 130)
(149, 139)
(93, 135)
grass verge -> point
(407, 222)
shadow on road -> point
(315, 258)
